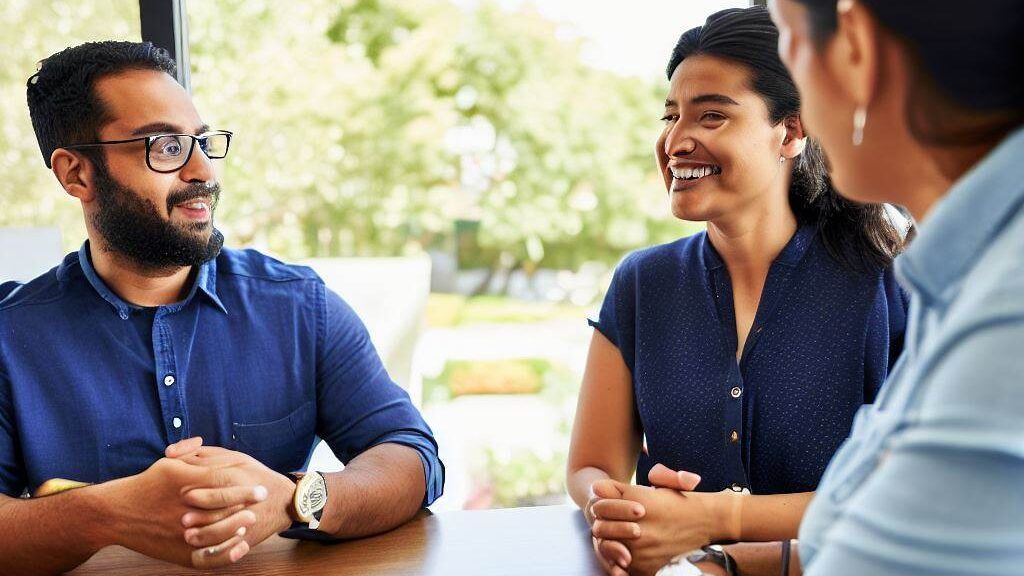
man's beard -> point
(132, 226)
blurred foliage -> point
(33, 30)
(449, 310)
(367, 127)
(507, 376)
(526, 478)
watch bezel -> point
(308, 512)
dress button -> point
(176, 422)
(736, 391)
(734, 436)
(168, 380)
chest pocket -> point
(281, 435)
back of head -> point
(859, 236)
(62, 99)
(967, 62)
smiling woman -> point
(739, 354)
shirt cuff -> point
(426, 449)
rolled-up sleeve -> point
(946, 497)
(359, 406)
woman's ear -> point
(796, 139)
(854, 52)
(74, 174)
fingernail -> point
(688, 476)
(186, 520)
(636, 530)
(236, 553)
(240, 531)
(260, 493)
(637, 511)
(190, 535)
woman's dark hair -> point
(967, 63)
(859, 236)
(62, 98)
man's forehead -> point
(135, 99)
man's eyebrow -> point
(714, 98)
(165, 128)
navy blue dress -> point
(821, 344)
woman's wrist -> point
(725, 510)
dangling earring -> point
(782, 159)
(860, 119)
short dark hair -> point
(62, 98)
(858, 236)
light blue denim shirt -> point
(931, 480)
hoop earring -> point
(860, 119)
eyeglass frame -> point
(149, 142)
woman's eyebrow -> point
(714, 98)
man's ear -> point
(795, 141)
(75, 174)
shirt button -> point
(734, 436)
(168, 380)
(736, 487)
(736, 391)
(176, 422)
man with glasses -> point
(176, 382)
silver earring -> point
(782, 159)
(860, 119)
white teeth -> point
(693, 173)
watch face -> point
(311, 495)
(679, 566)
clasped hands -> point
(201, 506)
(639, 529)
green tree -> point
(368, 127)
(29, 194)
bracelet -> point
(785, 557)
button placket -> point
(171, 401)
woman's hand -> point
(662, 476)
(654, 524)
(724, 507)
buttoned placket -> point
(739, 410)
(169, 382)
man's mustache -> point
(193, 191)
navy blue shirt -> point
(821, 344)
(260, 357)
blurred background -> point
(466, 173)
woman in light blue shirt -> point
(921, 103)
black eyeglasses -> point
(167, 153)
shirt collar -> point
(791, 254)
(964, 223)
(205, 282)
